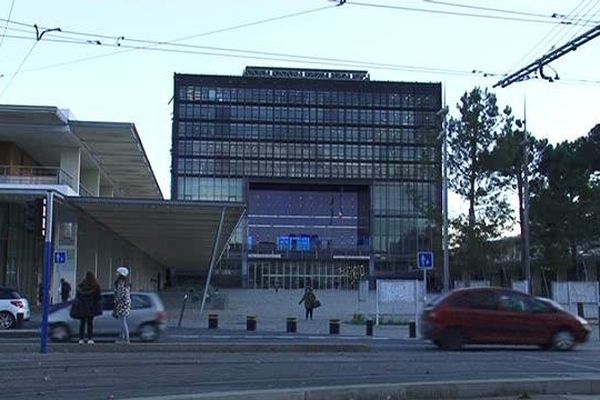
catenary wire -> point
(297, 58)
(457, 13)
(254, 52)
(12, 5)
(590, 19)
(540, 46)
(12, 78)
(573, 31)
(559, 17)
(206, 33)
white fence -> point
(472, 284)
(568, 294)
(404, 294)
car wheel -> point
(452, 339)
(563, 340)
(60, 333)
(7, 320)
(148, 332)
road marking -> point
(185, 336)
(568, 364)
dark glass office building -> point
(340, 174)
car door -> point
(141, 311)
(521, 323)
(106, 324)
(481, 324)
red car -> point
(500, 316)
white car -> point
(13, 307)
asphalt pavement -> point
(101, 375)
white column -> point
(70, 164)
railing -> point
(359, 251)
(18, 174)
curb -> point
(206, 347)
(406, 391)
(19, 333)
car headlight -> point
(583, 322)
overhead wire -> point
(260, 55)
(572, 31)
(562, 18)
(12, 78)
(180, 39)
(251, 52)
(540, 47)
(459, 13)
(591, 19)
(12, 5)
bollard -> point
(334, 326)
(19, 324)
(412, 330)
(213, 321)
(250, 323)
(369, 327)
(291, 324)
(580, 310)
(185, 299)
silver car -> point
(147, 318)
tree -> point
(507, 165)
(471, 138)
(565, 202)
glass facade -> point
(233, 134)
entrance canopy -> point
(178, 234)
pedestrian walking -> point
(310, 301)
(122, 302)
(40, 293)
(65, 290)
(86, 306)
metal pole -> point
(47, 272)
(445, 201)
(445, 211)
(526, 199)
(212, 259)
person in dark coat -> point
(65, 290)
(86, 306)
(309, 299)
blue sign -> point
(425, 259)
(60, 257)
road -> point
(102, 375)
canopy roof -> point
(177, 234)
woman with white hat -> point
(122, 301)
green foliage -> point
(358, 319)
(472, 138)
(507, 164)
(565, 207)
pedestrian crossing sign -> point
(425, 260)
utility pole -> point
(445, 202)
(526, 254)
(443, 136)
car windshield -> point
(436, 299)
(551, 302)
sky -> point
(136, 86)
